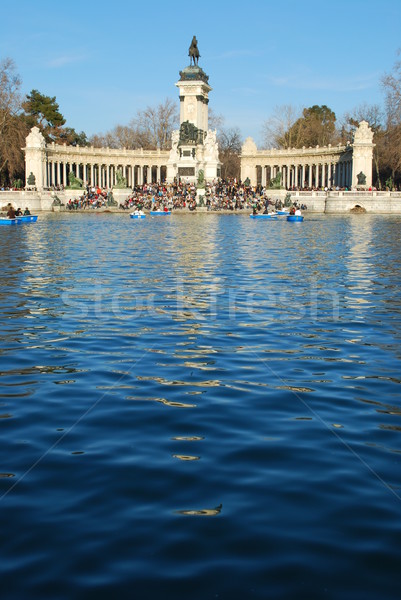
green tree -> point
(69, 136)
(43, 111)
(316, 127)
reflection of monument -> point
(194, 146)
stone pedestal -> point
(35, 158)
(194, 146)
(362, 155)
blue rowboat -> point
(283, 213)
(6, 221)
(271, 217)
(133, 216)
(160, 213)
(295, 218)
(28, 218)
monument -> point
(194, 145)
(362, 156)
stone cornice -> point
(298, 153)
(91, 154)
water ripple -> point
(281, 344)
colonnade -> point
(101, 174)
(310, 175)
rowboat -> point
(283, 213)
(160, 213)
(137, 216)
(28, 218)
(272, 216)
(7, 221)
(298, 218)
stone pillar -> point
(35, 158)
(149, 175)
(362, 155)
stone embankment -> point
(331, 202)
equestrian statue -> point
(194, 52)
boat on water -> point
(271, 216)
(160, 213)
(295, 218)
(283, 213)
(7, 221)
(138, 215)
(27, 218)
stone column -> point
(362, 154)
(64, 173)
(91, 174)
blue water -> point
(200, 406)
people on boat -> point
(18, 212)
(10, 212)
(27, 211)
(298, 213)
(292, 210)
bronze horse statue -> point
(194, 52)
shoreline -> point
(317, 202)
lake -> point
(200, 406)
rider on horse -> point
(193, 51)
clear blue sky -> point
(105, 60)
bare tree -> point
(156, 124)
(230, 144)
(216, 120)
(13, 128)
(392, 89)
(277, 130)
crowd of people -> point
(222, 195)
(228, 195)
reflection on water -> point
(283, 342)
